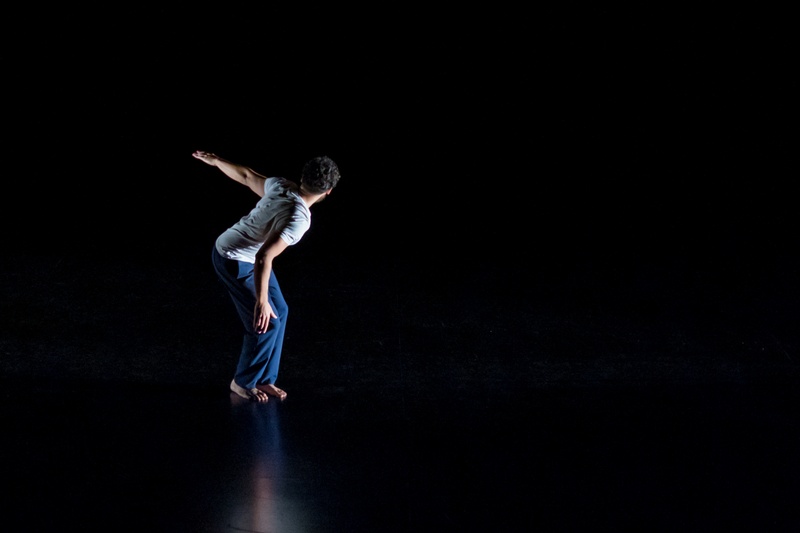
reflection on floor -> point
(428, 414)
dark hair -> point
(319, 174)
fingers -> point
(261, 323)
(203, 156)
(261, 318)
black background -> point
(556, 285)
(546, 132)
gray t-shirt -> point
(280, 211)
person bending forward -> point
(243, 254)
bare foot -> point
(250, 394)
(272, 390)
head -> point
(320, 175)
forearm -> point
(261, 274)
(238, 173)
(263, 312)
(263, 264)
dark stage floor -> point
(556, 289)
(573, 404)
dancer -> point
(243, 258)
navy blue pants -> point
(260, 357)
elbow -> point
(263, 259)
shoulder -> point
(279, 184)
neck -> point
(310, 198)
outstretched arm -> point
(239, 173)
